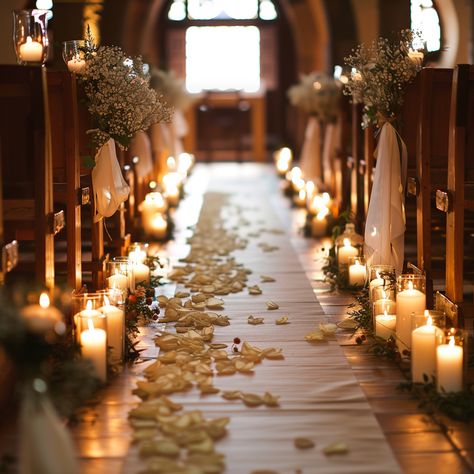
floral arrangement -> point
(380, 73)
(172, 88)
(317, 94)
(118, 94)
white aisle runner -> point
(320, 397)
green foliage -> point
(361, 311)
(458, 406)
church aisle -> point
(320, 396)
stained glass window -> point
(425, 19)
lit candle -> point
(115, 329)
(319, 224)
(377, 281)
(85, 314)
(409, 301)
(424, 341)
(283, 159)
(357, 274)
(185, 162)
(118, 280)
(449, 360)
(31, 51)
(385, 304)
(140, 273)
(416, 56)
(385, 325)
(345, 252)
(300, 198)
(172, 195)
(41, 317)
(137, 255)
(94, 348)
(158, 226)
(76, 64)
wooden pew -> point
(27, 166)
(457, 198)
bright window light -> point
(223, 58)
(267, 10)
(425, 19)
(177, 11)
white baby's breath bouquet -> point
(119, 96)
(380, 73)
(317, 94)
(172, 88)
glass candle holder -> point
(425, 338)
(137, 253)
(30, 36)
(91, 330)
(411, 299)
(74, 55)
(357, 271)
(283, 158)
(449, 361)
(113, 309)
(348, 244)
(117, 276)
(379, 275)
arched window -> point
(425, 19)
(223, 42)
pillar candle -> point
(300, 198)
(94, 348)
(319, 225)
(76, 65)
(449, 360)
(385, 325)
(424, 341)
(357, 274)
(140, 272)
(409, 301)
(41, 317)
(31, 51)
(345, 252)
(158, 226)
(377, 281)
(118, 280)
(172, 195)
(84, 315)
(115, 329)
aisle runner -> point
(319, 396)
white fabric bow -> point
(109, 186)
(140, 146)
(385, 224)
(310, 160)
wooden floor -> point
(419, 443)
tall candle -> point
(31, 51)
(319, 224)
(94, 348)
(385, 325)
(345, 252)
(118, 280)
(409, 301)
(449, 359)
(357, 274)
(140, 273)
(158, 226)
(424, 341)
(115, 329)
(41, 317)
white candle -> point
(158, 226)
(140, 273)
(76, 64)
(385, 325)
(115, 329)
(31, 51)
(319, 225)
(94, 347)
(346, 252)
(154, 202)
(300, 198)
(84, 315)
(449, 359)
(172, 195)
(424, 341)
(385, 304)
(377, 281)
(41, 317)
(408, 302)
(357, 274)
(118, 280)
(137, 256)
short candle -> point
(357, 274)
(118, 280)
(94, 348)
(345, 252)
(31, 51)
(41, 317)
(410, 301)
(385, 325)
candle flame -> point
(90, 323)
(347, 243)
(427, 313)
(429, 321)
(377, 274)
(89, 305)
(326, 198)
(374, 232)
(302, 194)
(451, 341)
(44, 300)
(410, 285)
(384, 294)
(106, 301)
(385, 312)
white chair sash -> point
(310, 160)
